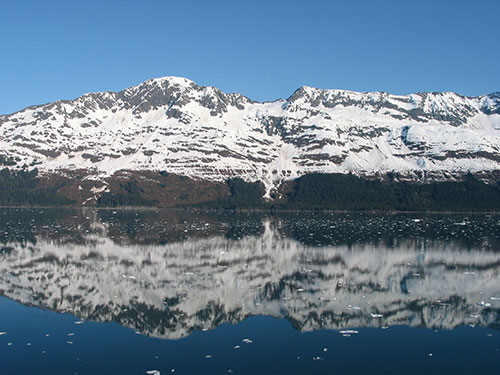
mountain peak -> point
(172, 80)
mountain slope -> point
(174, 125)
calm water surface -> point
(161, 292)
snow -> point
(236, 142)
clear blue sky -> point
(53, 50)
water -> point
(132, 292)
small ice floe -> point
(3, 333)
(153, 372)
(376, 315)
(247, 341)
(348, 332)
(483, 304)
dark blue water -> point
(134, 292)
(276, 348)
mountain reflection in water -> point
(169, 273)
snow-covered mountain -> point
(174, 125)
(102, 269)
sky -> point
(51, 50)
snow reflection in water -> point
(168, 273)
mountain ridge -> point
(172, 124)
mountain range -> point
(175, 127)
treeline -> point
(23, 188)
(130, 194)
(349, 192)
(244, 195)
(343, 192)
